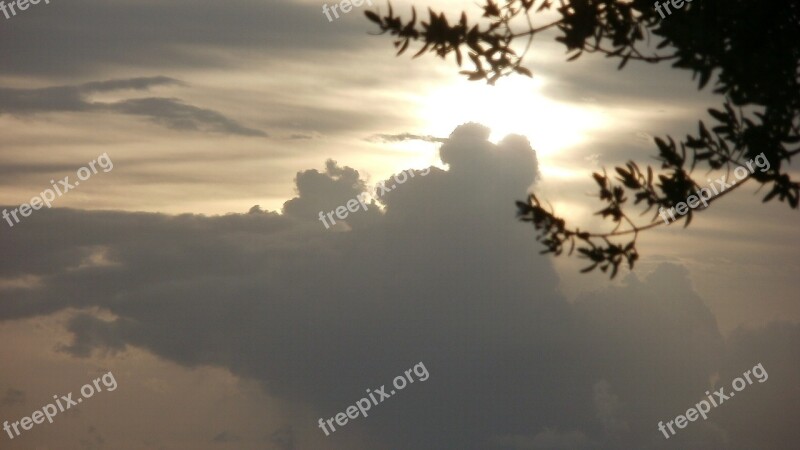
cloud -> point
(87, 36)
(169, 112)
(403, 137)
(174, 114)
(327, 190)
(443, 274)
(226, 437)
(12, 397)
(70, 98)
(91, 333)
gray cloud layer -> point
(84, 36)
(445, 276)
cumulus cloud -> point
(324, 191)
(443, 274)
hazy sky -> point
(233, 326)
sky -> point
(193, 267)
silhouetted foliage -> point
(752, 46)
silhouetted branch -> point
(759, 122)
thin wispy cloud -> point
(402, 137)
(168, 112)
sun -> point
(515, 105)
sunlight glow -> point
(515, 105)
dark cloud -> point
(12, 397)
(70, 98)
(172, 113)
(445, 275)
(91, 334)
(169, 112)
(326, 191)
